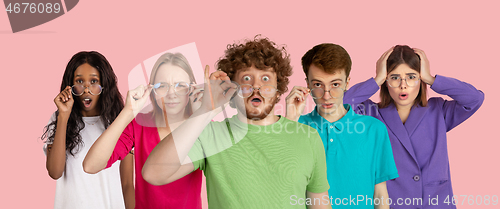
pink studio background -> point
(460, 39)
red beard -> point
(253, 113)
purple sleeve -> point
(124, 144)
(358, 95)
(466, 100)
(361, 92)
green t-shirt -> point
(260, 166)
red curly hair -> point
(261, 53)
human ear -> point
(347, 83)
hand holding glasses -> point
(94, 89)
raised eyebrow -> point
(335, 80)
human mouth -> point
(403, 96)
(327, 105)
(171, 104)
(256, 101)
(87, 102)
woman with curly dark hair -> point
(88, 103)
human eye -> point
(182, 84)
(317, 85)
(247, 78)
(79, 81)
(160, 85)
(265, 78)
(412, 77)
(93, 81)
(394, 77)
(336, 85)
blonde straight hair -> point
(176, 59)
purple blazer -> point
(419, 146)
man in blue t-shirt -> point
(357, 147)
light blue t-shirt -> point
(358, 156)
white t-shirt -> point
(77, 189)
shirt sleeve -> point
(466, 100)
(385, 167)
(124, 144)
(361, 92)
(318, 182)
(197, 152)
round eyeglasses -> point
(94, 89)
(266, 91)
(395, 81)
(319, 92)
(161, 89)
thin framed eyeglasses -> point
(319, 92)
(181, 88)
(94, 89)
(266, 91)
(395, 81)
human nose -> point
(326, 94)
(171, 90)
(86, 89)
(403, 85)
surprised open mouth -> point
(87, 102)
(256, 101)
(403, 96)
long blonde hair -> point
(176, 59)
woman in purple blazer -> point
(417, 127)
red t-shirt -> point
(183, 193)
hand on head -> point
(381, 69)
(425, 73)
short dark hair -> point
(328, 57)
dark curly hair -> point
(110, 101)
(261, 53)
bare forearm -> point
(129, 196)
(100, 152)
(56, 152)
(171, 153)
(319, 200)
(381, 194)
(127, 180)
